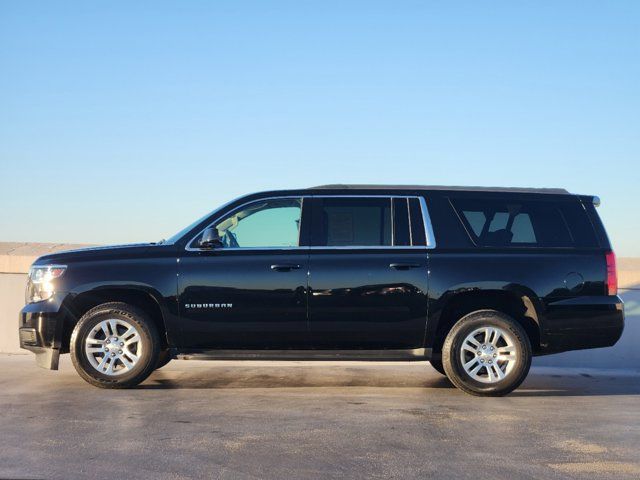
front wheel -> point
(487, 353)
(114, 345)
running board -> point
(415, 354)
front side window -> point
(352, 222)
(269, 223)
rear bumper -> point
(40, 328)
(583, 322)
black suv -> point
(476, 280)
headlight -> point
(41, 284)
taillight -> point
(612, 274)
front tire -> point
(487, 353)
(114, 345)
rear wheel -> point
(487, 353)
(114, 345)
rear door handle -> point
(404, 266)
(284, 267)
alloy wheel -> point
(488, 354)
(113, 347)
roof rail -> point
(339, 186)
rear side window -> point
(531, 223)
(418, 236)
(352, 222)
(401, 222)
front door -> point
(368, 273)
(250, 292)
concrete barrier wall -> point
(625, 354)
(15, 260)
(12, 286)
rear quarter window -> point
(525, 223)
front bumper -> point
(41, 327)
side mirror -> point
(210, 239)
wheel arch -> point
(146, 299)
(517, 304)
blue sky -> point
(123, 121)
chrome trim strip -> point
(373, 247)
(234, 249)
(393, 223)
(428, 227)
(362, 196)
(189, 248)
(305, 248)
(430, 239)
(300, 220)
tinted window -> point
(525, 223)
(418, 237)
(476, 220)
(522, 229)
(346, 222)
(583, 231)
(264, 223)
(401, 235)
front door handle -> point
(404, 266)
(284, 267)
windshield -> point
(185, 230)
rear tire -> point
(487, 353)
(114, 345)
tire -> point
(507, 353)
(436, 363)
(164, 357)
(128, 338)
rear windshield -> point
(530, 223)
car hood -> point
(100, 253)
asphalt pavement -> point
(315, 420)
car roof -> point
(555, 191)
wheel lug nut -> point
(495, 355)
(108, 341)
(490, 361)
(122, 344)
(120, 351)
(481, 360)
(484, 347)
(113, 354)
(492, 349)
(479, 352)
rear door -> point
(367, 273)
